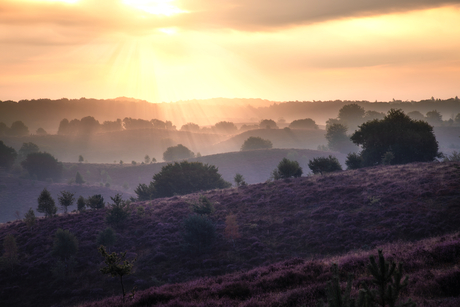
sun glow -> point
(156, 7)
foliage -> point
(18, 128)
(81, 159)
(116, 265)
(323, 165)
(387, 281)
(145, 192)
(95, 202)
(178, 152)
(43, 165)
(26, 149)
(334, 294)
(387, 158)
(147, 159)
(337, 139)
(409, 140)
(46, 203)
(192, 127)
(453, 157)
(255, 142)
(106, 237)
(287, 169)
(118, 212)
(81, 204)
(199, 233)
(66, 199)
(268, 124)
(434, 118)
(351, 114)
(354, 161)
(239, 180)
(65, 244)
(306, 123)
(187, 177)
(203, 207)
(225, 127)
(7, 155)
(29, 218)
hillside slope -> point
(305, 217)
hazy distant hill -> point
(48, 113)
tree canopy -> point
(409, 140)
(43, 165)
(255, 142)
(7, 155)
(178, 152)
(306, 123)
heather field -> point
(291, 231)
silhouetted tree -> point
(434, 118)
(64, 127)
(18, 129)
(65, 244)
(354, 161)
(116, 265)
(81, 204)
(268, 124)
(66, 200)
(191, 127)
(118, 212)
(26, 149)
(43, 165)
(81, 159)
(225, 127)
(306, 123)
(351, 114)
(7, 155)
(106, 237)
(145, 192)
(178, 152)
(46, 204)
(29, 218)
(371, 115)
(337, 139)
(41, 131)
(95, 202)
(323, 165)
(255, 142)
(79, 178)
(239, 180)
(147, 159)
(287, 169)
(409, 140)
(416, 115)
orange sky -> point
(169, 50)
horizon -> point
(174, 50)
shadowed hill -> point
(293, 218)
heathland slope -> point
(305, 217)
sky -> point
(279, 50)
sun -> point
(157, 7)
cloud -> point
(96, 16)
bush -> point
(46, 203)
(239, 180)
(66, 199)
(95, 202)
(81, 203)
(203, 207)
(79, 178)
(185, 178)
(7, 155)
(106, 237)
(255, 142)
(354, 161)
(409, 140)
(65, 244)
(145, 192)
(43, 165)
(337, 139)
(322, 165)
(118, 212)
(267, 124)
(26, 149)
(287, 169)
(179, 152)
(306, 123)
(199, 233)
(29, 218)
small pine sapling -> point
(387, 279)
(118, 212)
(116, 265)
(239, 180)
(29, 218)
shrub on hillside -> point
(81, 204)
(43, 165)
(203, 207)
(179, 152)
(145, 192)
(106, 237)
(66, 200)
(354, 161)
(118, 212)
(95, 202)
(323, 165)
(287, 169)
(46, 203)
(409, 140)
(255, 142)
(199, 233)
(306, 123)
(239, 180)
(7, 155)
(65, 244)
(29, 218)
(185, 178)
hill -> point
(307, 217)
